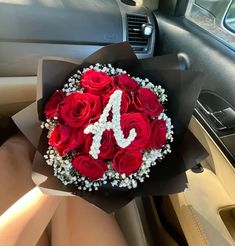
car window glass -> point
(217, 17)
(230, 17)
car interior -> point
(202, 32)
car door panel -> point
(216, 160)
(206, 208)
(216, 61)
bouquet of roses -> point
(107, 122)
(106, 126)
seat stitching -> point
(197, 224)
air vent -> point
(135, 37)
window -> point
(229, 20)
(217, 17)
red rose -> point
(65, 139)
(146, 101)
(96, 82)
(158, 134)
(107, 148)
(79, 109)
(89, 167)
(141, 124)
(53, 105)
(126, 100)
(127, 161)
(125, 82)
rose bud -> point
(78, 109)
(158, 134)
(95, 82)
(127, 161)
(66, 139)
(52, 108)
(147, 102)
(125, 82)
(89, 167)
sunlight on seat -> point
(23, 223)
(21, 206)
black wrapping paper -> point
(182, 88)
(7, 129)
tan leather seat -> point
(198, 210)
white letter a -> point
(102, 124)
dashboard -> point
(73, 29)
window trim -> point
(224, 25)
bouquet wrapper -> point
(168, 176)
(7, 129)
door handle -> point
(223, 119)
(226, 117)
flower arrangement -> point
(105, 126)
(104, 129)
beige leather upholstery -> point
(198, 210)
(198, 207)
